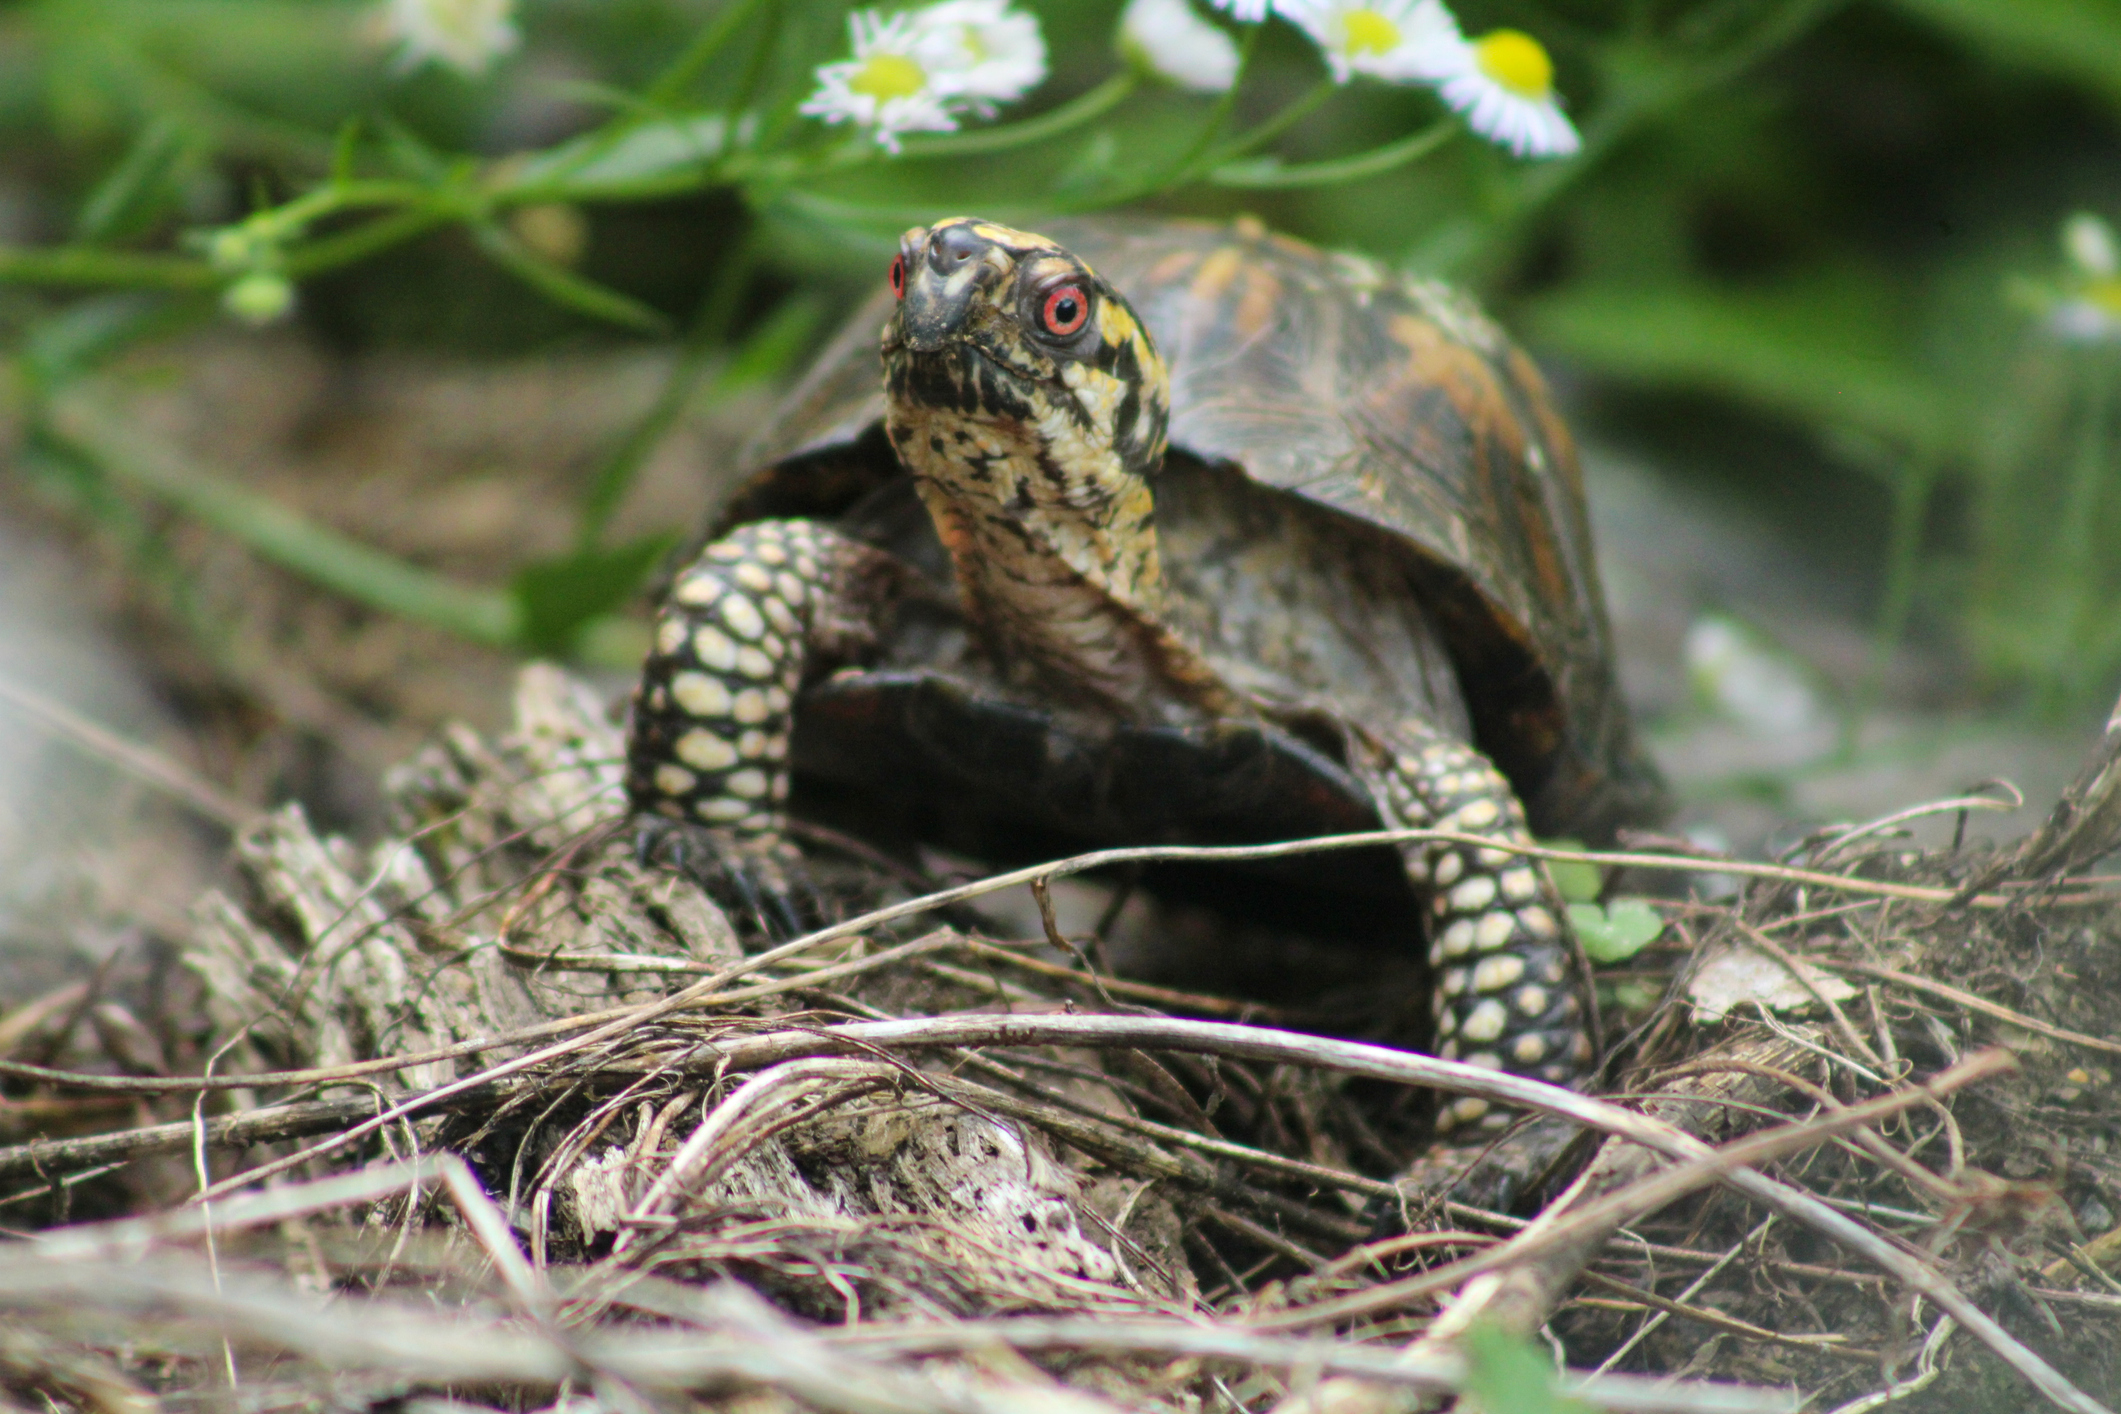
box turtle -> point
(1177, 532)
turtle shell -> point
(1384, 399)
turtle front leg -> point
(757, 614)
(1508, 987)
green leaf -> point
(1507, 1374)
(1617, 931)
(668, 155)
(556, 599)
(102, 437)
(1825, 350)
(140, 188)
(2078, 39)
(564, 287)
(1579, 882)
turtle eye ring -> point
(1065, 310)
(898, 275)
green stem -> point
(1269, 172)
(2080, 509)
(1219, 114)
(100, 438)
(683, 71)
(1275, 126)
(564, 286)
(1912, 489)
(1068, 116)
(93, 265)
(710, 331)
(345, 248)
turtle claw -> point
(760, 878)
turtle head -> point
(1001, 327)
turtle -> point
(1178, 531)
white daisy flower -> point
(1168, 39)
(1503, 83)
(981, 50)
(2090, 310)
(2089, 244)
(467, 35)
(1249, 12)
(918, 70)
(1397, 40)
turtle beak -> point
(948, 269)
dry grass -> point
(487, 1116)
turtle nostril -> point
(953, 246)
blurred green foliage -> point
(1794, 218)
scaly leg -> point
(1507, 983)
(760, 611)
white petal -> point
(2089, 242)
(467, 35)
(1529, 127)
(1170, 40)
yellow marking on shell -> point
(1467, 1108)
(1449, 868)
(753, 744)
(721, 809)
(673, 779)
(1532, 1001)
(1256, 306)
(768, 551)
(753, 664)
(728, 552)
(780, 615)
(754, 576)
(1457, 940)
(1215, 274)
(749, 783)
(700, 695)
(1529, 1049)
(670, 634)
(1537, 921)
(1519, 885)
(703, 750)
(1484, 1060)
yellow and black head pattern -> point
(999, 325)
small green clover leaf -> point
(1506, 1374)
(1579, 882)
(1617, 931)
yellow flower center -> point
(888, 76)
(1515, 61)
(1367, 32)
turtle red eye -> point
(1065, 310)
(898, 275)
